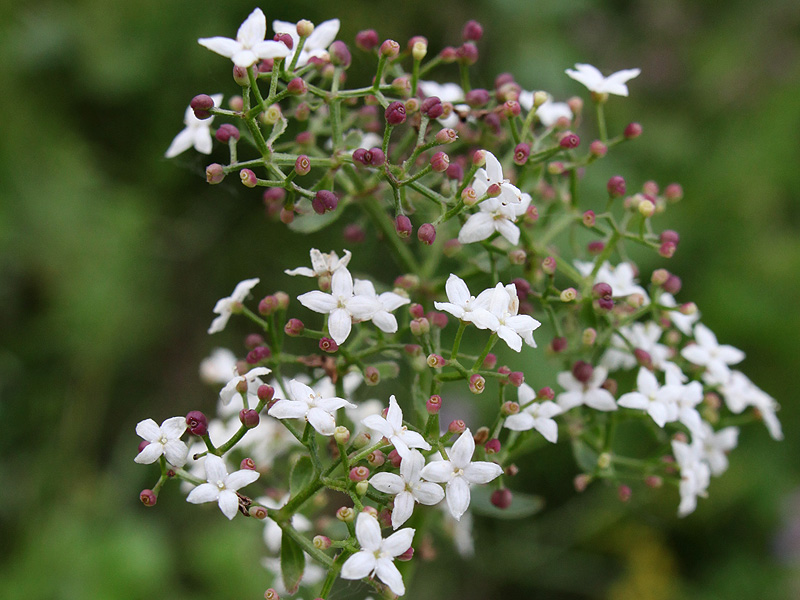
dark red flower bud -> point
(201, 105)
(432, 107)
(569, 140)
(395, 113)
(249, 418)
(367, 40)
(472, 32)
(582, 371)
(468, 53)
(633, 130)
(403, 227)
(324, 201)
(226, 132)
(616, 186)
(326, 344)
(478, 98)
(197, 423)
(285, 39)
(502, 498)
(340, 54)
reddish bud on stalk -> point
(472, 32)
(249, 418)
(148, 497)
(489, 362)
(477, 383)
(439, 162)
(215, 173)
(502, 498)
(226, 132)
(367, 40)
(616, 186)
(457, 426)
(248, 178)
(197, 423)
(390, 49)
(633, 130)
(248, 464)
(434, 404)
(201, 105)
(326, 344)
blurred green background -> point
(111, 258)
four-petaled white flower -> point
(695, 475)
(502, 304)
(391, 427)
(708, 353)
(739, 393)
(689, 396)
(221, 486)
(492, 173)
(660, 402)
(218, 367)
(224, 307)
(462, 304)
(682, 322)
(716, 445)
(341, 304)
(164, 440)
(494, 215)
(249, 46)
(316, 45)
(459, 472)
(197, 133)
(308, 404)
(593, 79)
(549, 112)
(641, 336)
(377, 555)
(251, 378)
(407, 488)
(385, 302)
(621, 278)
(587, 393)
(321, 264)
(535, 415)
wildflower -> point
(491, 174)
(321, 264)
(307, 403)
(225, 306)
(391, 427)
(377, 555)
(695, 475)
(708, 353)
(502, 304)
(218, 367)
(342, 305)
(660, 402)
(249, 46)
(462, 304)
(593, 79)
(535, 415)
(197, 133)
(250, 379)
(221, 486)
(548, 112)
(407, 488)
(495, 215)
(715, 446)
(164, 440)
(458, 472)
(739, 393)
(682, 322)
(584, 388)
(640, 336)
(315, 46)
(386, 303)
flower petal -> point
(181, 143)
(149, 454)
(388, 483)
(482, 472)
(339, 325)
(368, 532)
(323, 35)
(458, 497)
(438, 471)
(398, 542)
(205, 492)
(318, 301)
(322, 421)
(428, 493)
(478, 227)
(388, 574)
(403, 508)
(241, 478)
(253, 30)
(175, 452)
(221, 45)
(358, 566)
(520, 422)
(288, 409)
(463, 449)
(228, 503)
(174, 427)
(148, 430)
(215, 468)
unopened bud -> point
(249, 418)
(647, 208)
(305, 28)
(420, 327)
(598, 149)
(322, 542)
(372, 376)
(215, 173)
(202, 105)
(359, 474)
(624, 493)
(476, 383)
(582, 371)
(517, 256)
(581, 482)
(469, 196)
(258, 512)
(426, 232)
(489, 362)
(148, 497)
(456, 426)
(248, 464)
(502, 498)
(433, 404)
(633, 130)
(248, 178)
(546, 393)
(467, 53)
(302, 165)
(667, 250)
(589, 336)
(435, 361)
(197, 423)
(395, 458)
(327, 344)
(341, 434)
(376, 458)
(324, 201)
(569, 140)
(616, 186)
(509, 408)
(522, 152)
(492, 446)
(439, 162)
(673, 192)
(361, 440)
(294, 327)
(390, 49)
(446, 136)
(345, 514)
(479, 158)
(589, 218)
(367, 40)
(654, 481)
(403, 227)
(419, 50)
(472, 32)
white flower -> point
(739, 393)
(376, 556)
(549, 112)
(197, 133)
(341, 304)
(407, 488)
(386, 303)
(249, 46)
(716, 445)
(682, 322)
(162, 440)
(218, 367)
(690, 395)
(227, 393)
(503, 305)
(308, 404)
(459, 472)
(221, 486)
(642, 336)
(708, 353)
(589, 393)
(321, 264)
(695, 475)
(621, 278)
(392, 429)
(224, 307)
(494, 215)
(536, 415)
(316, 45)
(462, 304)
(593, 79)
(492, 173)
(660, 402)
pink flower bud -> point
(406, 556)
(367, 40)
(478, 98)
(569, 140)
(509, 408)
(659, 277)
(324, 201)
(559, 344)
(426, 234)
(516, 378)
(433, 404)
(419, 326)
(240, 76)
(322, 542)
(643, 358)
(340, 54)
(197, 423)
(248, 464)
(457, 426)
(589, 218)
(268, 305)
(359, 474)
(581, 482)
(582, 371)
(549, 265)
(435, 361)
(439, 162)
(673, 284)
(492, 446)
(502, 498)
(215, 173)
(249, 418)
(294, 327)
(604, 295)
(467, 53)
(226, 132)
(265, 392)
(302, 165)
(447, 136)
(546, 393)
(472, 32)
(448, 54)
(511, 108)
(148, 497)
(403, 227)
(304, 28)
(372, 376)
(437, 319)
(667, 250)
(469, 196)
(633, 130)
(432, 107)
(248, 178)
(476, 383)
(624, 493)
(598, 149)
(285, 39)
(395, 458)
(616, 186)
(673, 192)
(326, 344)
(395, 113)
(390, 49)
(654, 481)
(595, 248)
(258, 512)
(256, 355)
(521, 153)
(490, 361)
(201, 105)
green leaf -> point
(522, 505)
(388, 369)
(585, 456)
(293, 562)
(302, 474)
(277, 130)
(311, 222)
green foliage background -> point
(111, 258)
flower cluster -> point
(470, 169)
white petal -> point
(288, 409)
(253, 30)
(323, 35)
(457, 291)
(388, 574)
(322, 421)
(205, 492)
(221, 45)
(385, 321)
(520, 422)
(331, 405)
(362, 307)
(300, 392)
(510, 337)
(243, 288)
(270, 49)
(599, 399)
(241, 478)
(508, 230)
(403, 508)
(438, 471)
(458, 497)
(215, 468)
(379, 424)
(175, 452)
(148, 430)
(398, 542)
(228, 503)
(339, 325)
(494, 171)
(463, 449)
(428, 493)
(201, 140)
(303, 271)
(549, 429)
(318, 301)
(394, 416)
(358, 566)
(173, 428)
(478, 227)
(149, 454)
(388, 483)
(368, 532)
(182, 142)
(482, 472)
(342, 283)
